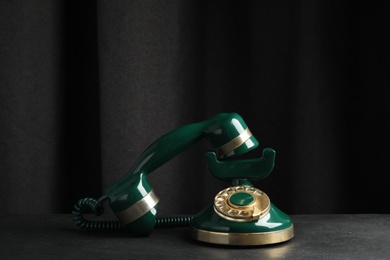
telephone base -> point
(274, 227)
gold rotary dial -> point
(241, 204)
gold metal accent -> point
(254, 211)
(234, 143)
(243, 239)
(138, 209)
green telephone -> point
(240, 214)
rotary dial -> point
(241, 204)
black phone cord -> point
(90, 205)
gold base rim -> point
(243, 239)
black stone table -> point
(316, 237)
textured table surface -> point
(316, 237)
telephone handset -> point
(240, 214)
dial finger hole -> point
(219, 203)
(244, 213)
(229, 191)
(258, 193)
(250, 189)
(233, 212)
(219, 198)
(224, 208)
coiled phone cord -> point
(94, 206)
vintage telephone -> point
(240, 214)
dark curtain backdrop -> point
(86, 86)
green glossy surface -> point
(208, 220)
(219, 130)
(241, 199)
(254, 169)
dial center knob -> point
(241, 199)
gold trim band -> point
(243, 239)
(234, 143)
(138, 209)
